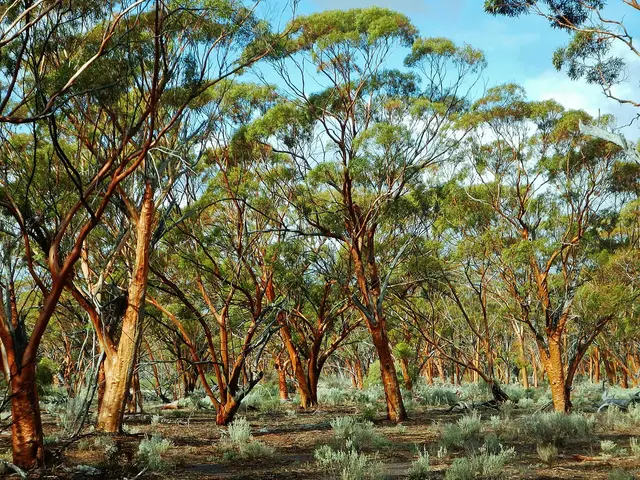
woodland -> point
(243, 242)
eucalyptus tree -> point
(598, 38)
(54, 214)
(199, 46)
(315, 279)
(458, 295)
(42, 56)
(547, 183)
(229, 237)
(360, 135)
(161, 57)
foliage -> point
(241, 443)
(466, 433)
(555, 428)
(420, 468)
(485, 466)
(547, 453)
(347, 464)
(351, 433)
(150, 451)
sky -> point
(518, 50)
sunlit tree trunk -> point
(281, 368)
(26, 427)
(395, 406)
(554, 368)
(119, 365)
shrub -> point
(555, 428)
(352, 433)
(420, 468)
(620, 474)
(374, 375)
(368, 412)
(108, 445)
(45, 373)
(74, 410)
(435, 396)
(239, 438)
(150, 451)
(547, 453)
(332, 396)
(485, 466)
(526, 403)
(609, 448)
(347, 465)
(465, 433)
(239, 431)
(633, 414)
(255, 449)
(262, 398)
(616, 419)
(634, 446)
(501, 425)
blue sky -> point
(518, 50)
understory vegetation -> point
(261, 239)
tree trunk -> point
(359, 374)
(226, 412)
(119, 364)
(406, 376)
(26, 427)
(282, 379)
(313, 379)
(522, 358)
(134, 401)
(555, 373)
(395, 406)
(596, 365)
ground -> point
(199, 450)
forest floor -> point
(199, 451)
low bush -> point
(634, 447)
(609, 448)
(332, 396)
(349, 432)
(436, 395)
(547, 453)
(241, 443)
(262, 397)
(150, 451)
(485, 466)
(421, 467)
(347, 464)
(555, 428)
(466, 433)
(620, 474)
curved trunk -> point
(395, 406)
(119, 364)
(26, 427)
(226, 412)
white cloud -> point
(580, 95)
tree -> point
(596, 39)
(321, 319)
(364, 136)
(547, 184)
(56, 213)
